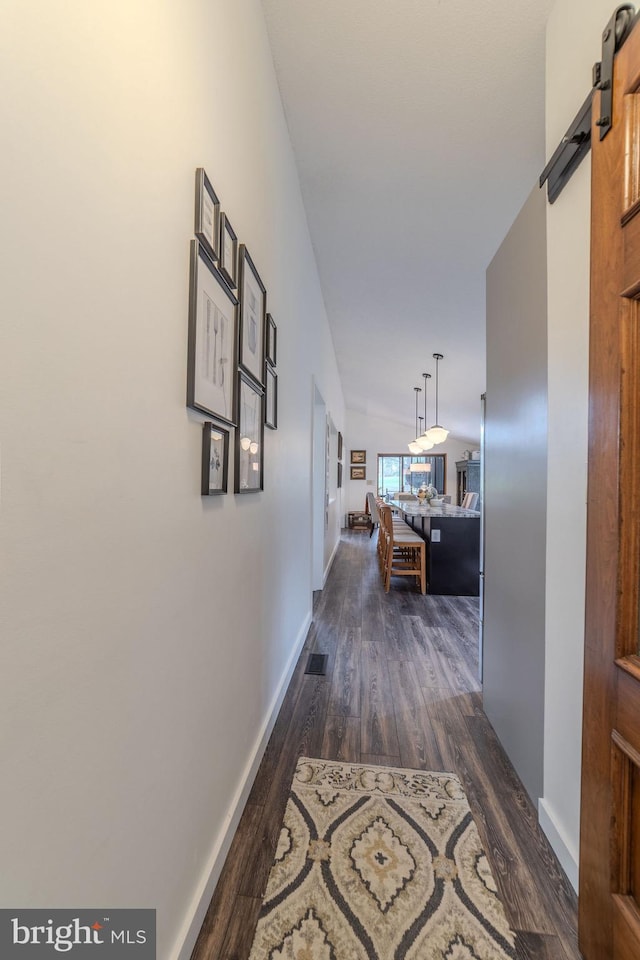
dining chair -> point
(372, 509)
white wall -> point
(376, 435)
(574, 34)
(145, 630)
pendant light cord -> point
(426, 376)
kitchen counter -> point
(413, 508)
(452, 535)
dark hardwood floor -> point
(401, 689)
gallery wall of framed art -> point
(232, 349)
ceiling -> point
(418, 128)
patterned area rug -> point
(379, 863)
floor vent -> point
(317, 664)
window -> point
(395, 475)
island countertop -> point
(413, 508)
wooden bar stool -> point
(402, 552)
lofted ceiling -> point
(418, 128)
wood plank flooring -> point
(401, 689)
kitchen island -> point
(452, 535)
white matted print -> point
(253, 309)
(207, 227)
(249, 437)
(228, 262)
(212, 337)
(271, 398)
(215, 459)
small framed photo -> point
(358, 456)
(358, 473)
(215, 459)
(213, 326)
(339, 475)
(207, 227)
(272, 340)
(249, 461)
(339, 446)
(253, 311)
(271, 398)
(228, 262)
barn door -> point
(609, 906)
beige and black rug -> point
(379, 863)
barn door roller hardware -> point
(576, 142)
(614, 35)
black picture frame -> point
(358, 456)
(249, 438)
(207, 220)
(339, 484)
(358, 473)
(271, 348)
(215, 459)
(228, 260)
(271, 398)
(339, 445)
(253, 312)
(212, 340)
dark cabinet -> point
(467, 479)
(453, 553)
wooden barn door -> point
(609, 906)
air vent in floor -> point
(317, 664)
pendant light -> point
(436, 433)
(423, 440)
(414, 446)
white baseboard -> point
(188, 935)
(567, 856)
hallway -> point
(400, 689)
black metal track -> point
(576, 142)
(573, 148)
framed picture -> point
(215, 459)
(358, 456)
(358, 473)
(249, 436)
(339, 446)
(228, 261)
(207, 228)
(271, 398)
(253, 310)
(272, 340)
(339, 474)
(213, 329)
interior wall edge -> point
(193, 921)
(331, 559)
